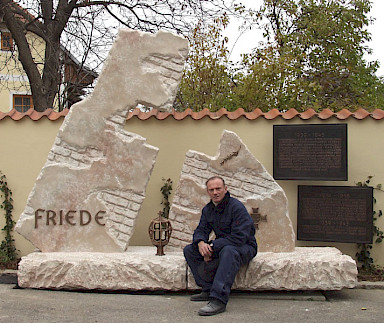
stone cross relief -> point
(257, 217)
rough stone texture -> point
(137, 269)
(306, 268)
(94, 164)
(141, 269)
(246, 179)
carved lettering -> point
(71, 217)
(61, 217)
(37, 216)
(51, 217)
(99, 217)
(82, 212)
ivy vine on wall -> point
(8, 252)
(166, 192)
(363, 255)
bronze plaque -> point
(310, 152)
(335, 213)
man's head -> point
(216, 189)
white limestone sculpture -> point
(306, 268)
(137, 269)
(92, 185)
(247, 180)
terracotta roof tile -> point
(362, 114)
(272, 114)
(326, 114)
(233, 115)
(343, 114)
(378, 114)
(181, 115)
(307, 114)
(33, 114)
(254, 114)
(290, 114)
(201, 114)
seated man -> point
(234, 245)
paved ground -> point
(26, 305)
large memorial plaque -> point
(335, 213)
(310, 152)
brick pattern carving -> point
(62, 153)
(90, 191)
(123, 207)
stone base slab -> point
(307, 268)
(137, 269)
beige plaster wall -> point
(11, 83)
(24, 146)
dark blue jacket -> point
(229, 220)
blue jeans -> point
(231, 258)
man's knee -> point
(229, 252)
(191, 252)
(187, 250)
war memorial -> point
(82, 210)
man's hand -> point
(205, 250)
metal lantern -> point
(160, 231)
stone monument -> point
(91, 188)
(247, 180)
(82, 210)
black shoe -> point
(213, 307)
(201, 297)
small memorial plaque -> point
(310, 152)
(335, 213)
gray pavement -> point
(28, 305)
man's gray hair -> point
(214, 177)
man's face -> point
(216, 190)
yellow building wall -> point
(24, 146)
(11, 70)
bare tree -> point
(80, 32)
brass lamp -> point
(160, 230)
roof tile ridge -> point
(180, 115)
(308, 114)
(236, 114)
(272, 114)
(144, 115)
(9, 114)
(16, 115)
(37, 115)
(290, 114)
(201, 114)
(326, 114)
(132, 113)
(377, 114)
(219, 113)
(254, 114)
(361, 114)
(54, 115)
(161, 115)
(343, 114)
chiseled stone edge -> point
(307, 268)
(138, 269)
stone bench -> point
(307, 268)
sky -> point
(240, 43)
